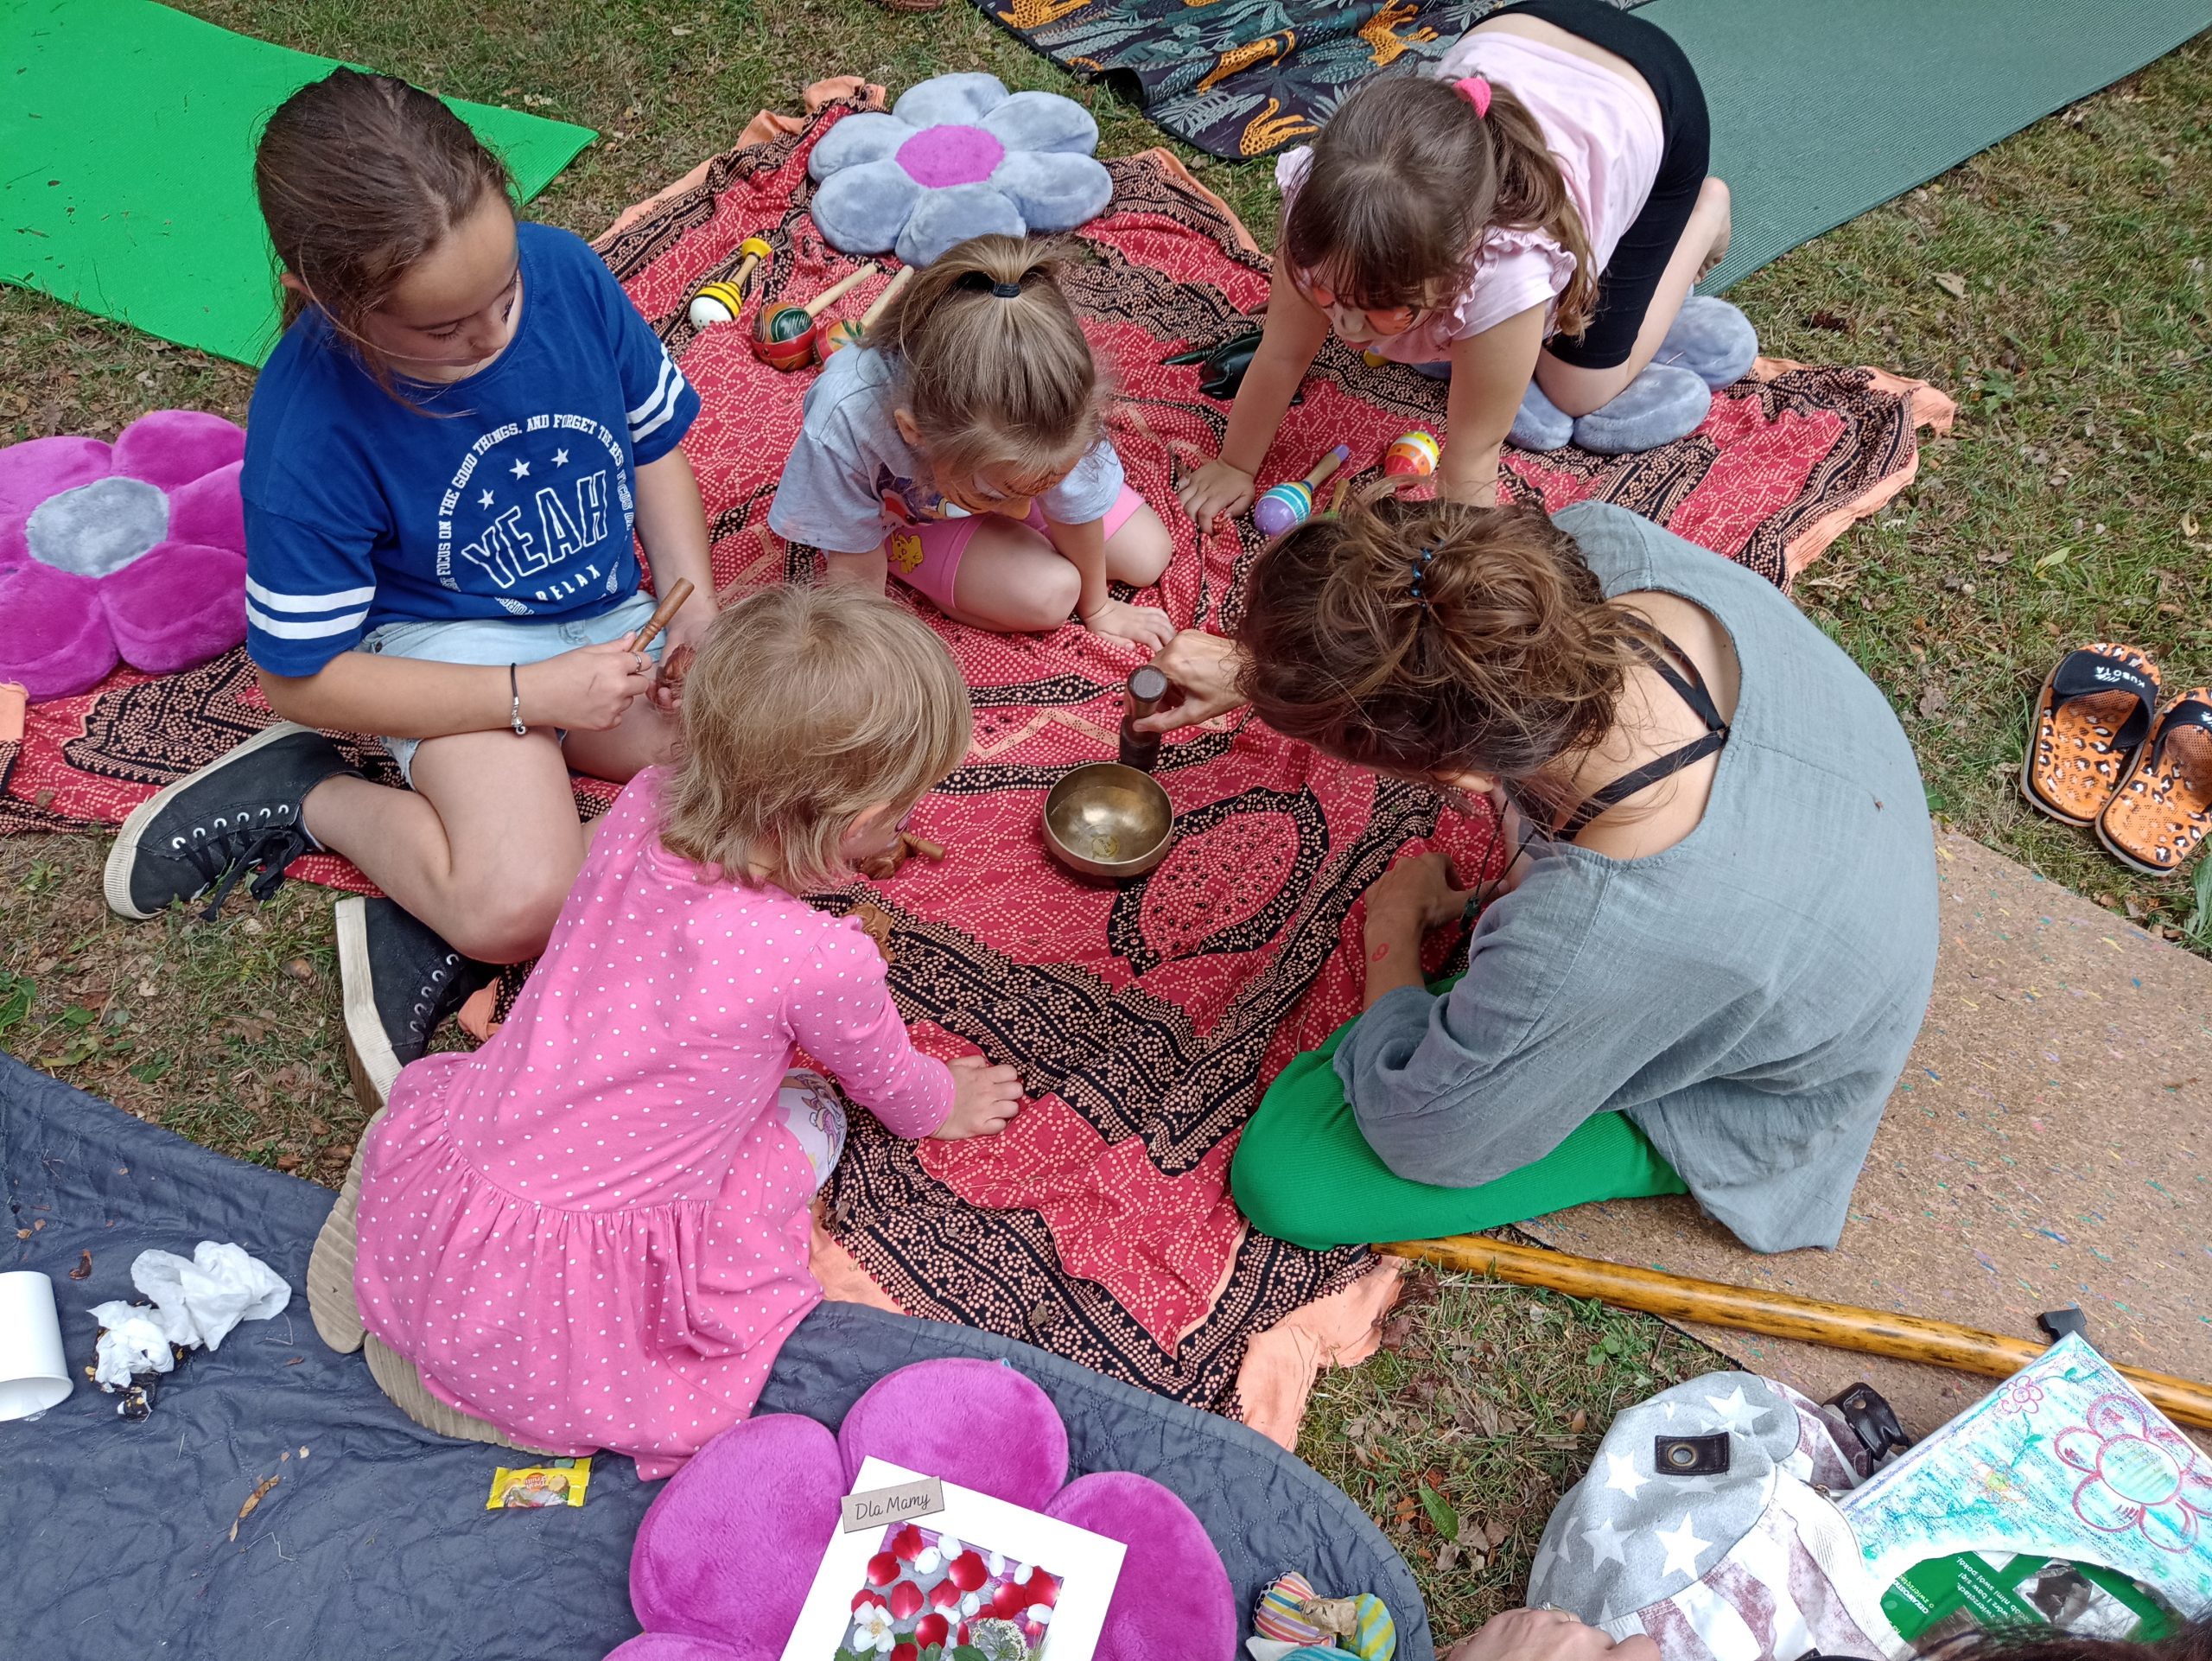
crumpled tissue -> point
(197, 1300)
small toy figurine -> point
(1411, 455)
(721, 300)
(783, 334)
(1285, 506)
(848, 332)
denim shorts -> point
(498, 642)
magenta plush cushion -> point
(726, 1554)
(729, 1549)
(1172, 1602)
(975, 1423)
(132, 552)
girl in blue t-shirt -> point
(447, 457)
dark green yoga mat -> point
(126, 165)
(1821, 111)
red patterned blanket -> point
(1145, 1019)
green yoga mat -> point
(126, 165)
(1821, 111)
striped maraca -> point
(1411, 455)
(1285, 506)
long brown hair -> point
(1407, 181)
(360, 176)
(993, 365)
(804, 707)
(1502, 657)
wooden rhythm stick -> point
(1781, 1314)
(664, 614)
(847, 332)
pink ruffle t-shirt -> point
(592, 1231)
(1606, 136)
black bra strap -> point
(1643, 778)
(1691, 689)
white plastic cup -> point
(34, 1373)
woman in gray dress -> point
(1706, 962)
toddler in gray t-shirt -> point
(964, 450)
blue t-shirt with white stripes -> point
(510, 494)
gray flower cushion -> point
(957, 156)
(1711, 345)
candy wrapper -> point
(530, 1488)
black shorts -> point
(1625, 286)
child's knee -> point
(1045, 597)
(1140, 549)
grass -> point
(2056, 284)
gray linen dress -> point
(1747, 996)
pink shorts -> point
(926, 557)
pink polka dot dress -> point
(592, 1231)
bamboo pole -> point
(1780, 1314)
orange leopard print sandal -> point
(2159, 819)
(2091, 718)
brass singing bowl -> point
(1108, 820)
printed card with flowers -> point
(980, 1580)
(2064, 1459)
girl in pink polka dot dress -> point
(592, 1233)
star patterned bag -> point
(1705, 1523)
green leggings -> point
(1304, 1173)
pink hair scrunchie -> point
(1476, 90)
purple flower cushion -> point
(132, 552)
(726, 1553)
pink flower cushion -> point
(726, 1553)
(728, 1549)
(1005, 1439)
(1173, 1596)
(131, 552)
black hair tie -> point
(1007, 290)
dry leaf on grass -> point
(1952, 284)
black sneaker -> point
(239, 813)
(401, 980)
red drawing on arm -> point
(1379, 953)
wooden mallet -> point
(846, 332)
(673, 664)
(1780, 1314)
(783, 334)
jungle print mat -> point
(1240, 78)
(1145, 1019)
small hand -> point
(589, 689)
(1215, 489)
(685, 635)
(1201, 671)
(1419, 891)
(1117, 620)
(985, 1098)
(1548, 1635)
